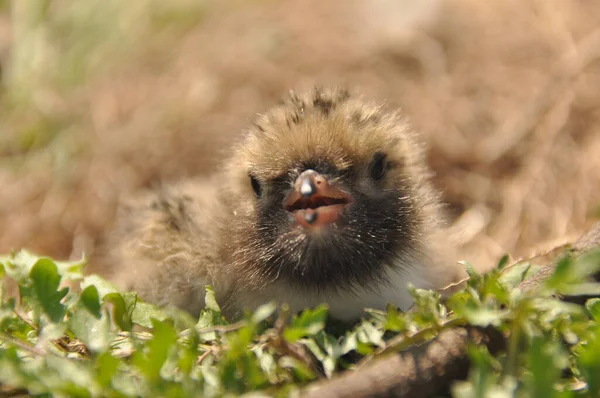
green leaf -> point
(164, 337)
(332, 350)
(93, 331)
(511, 277)
(301, 372)
(72, 270)
(593, 307)
(569, 272)
(546, 362)
(91, 301)
(503, 262)
(393, 321)
(364, 349)
(493, 289)
(189, 355)
(481, 377)
(480, 315)
(349, 342)
(581, 289)
(103, 286)
(588, 360)
(551, 307)
(143, 314)
(367, 333)
(427, 307)
(209, 318)
(587, 264)
(181, 319)
(263, 312)
(75, 379)
(210, 302)
(315, 348)
(471, 271)
(266, 361)
(18, 265)
(121, 309)
(46, 280)
(106, 366)
(176, 356)
(562, 272)
(13, 373)
(308, 323)
(5, 313)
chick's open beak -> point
(314, 202)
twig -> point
(223, 328)
(217, 328)
(8, 391)
(27, 321)
(278, 342)
(551, 252)
(202, 356)
(21, 345)
(401, 342)
(429, 369)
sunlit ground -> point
(103, 97)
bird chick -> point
(326, 199)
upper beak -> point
(313, 201)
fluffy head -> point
(364, 151)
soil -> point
(506, 95)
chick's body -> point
(326, 199)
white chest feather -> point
(349, 305)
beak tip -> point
(306, 188)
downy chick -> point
(326, 199)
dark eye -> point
(256, 187)
(378, 166)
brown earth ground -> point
(101, 99)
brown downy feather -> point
(233, 232)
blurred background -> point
(101, 98)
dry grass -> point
(99, 102)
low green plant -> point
(67, 334)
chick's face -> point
(322, 194)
